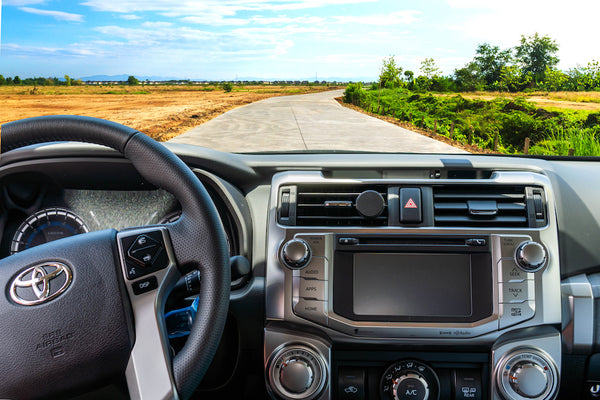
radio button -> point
(509, 245)
(316, 269)
(316, 243)
(517, 292)
(512, 314)
(312, 310)
(310, 289)
(510, 272)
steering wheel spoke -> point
(150, 272)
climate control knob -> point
(527, 374)
(409, 380)
(296, 253)
(530, 256)
(528, 379)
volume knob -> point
(531, 256)
(296, 254)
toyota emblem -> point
(41, 283)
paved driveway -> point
(306, 122)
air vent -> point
(480, 206)
(336, 205)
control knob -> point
(528, 379)
(296, 253)
(530, 256)
(527, 374)
(409, 380)
(297, 372)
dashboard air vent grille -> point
(335, 205)
(480, 206)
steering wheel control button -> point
(467, 384)
(531, 256)
(517, 292)
(316, 269)
(526, 374)
(410, 206)
(511, 272)
(311, 289)
(312, 310)
(296, 253)
(144, 250)
(351, 383)
(512, 314)
(145, 254)
(297, 372)
(144, 285)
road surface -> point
(306, 122)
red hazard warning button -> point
(410, 204)
(410, 209)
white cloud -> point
(395, 18)
(42, 51)
(130, 17)
(156, 24)
(214, 20)
(21, 2)
(228, 7)
(59, 15)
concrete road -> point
(306, 122)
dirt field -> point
(589, 101)
(162, 112)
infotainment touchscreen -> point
(405, 284)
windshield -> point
(446, 76)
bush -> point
(354, 93)
(227, 87)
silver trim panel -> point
(546, 283)
(148, 372)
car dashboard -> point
(392, 276)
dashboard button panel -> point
(316, 269)
(512, 314)
(312, 310)
(517, 292)
(510, 272)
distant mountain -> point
(124, 77)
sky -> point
(277, 39)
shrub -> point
(227, 87)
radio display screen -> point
(412, 285)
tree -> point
(490, 60)
(132, 80)
(2, 80)
(428, 68)
(9, 81)
(469, 78)
(535, 54)
(68, 80)
(17, 80)
(512, 79)
(227, 87)
(409, 75)
(390, 73)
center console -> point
(412, 288)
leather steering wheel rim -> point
(197, 237)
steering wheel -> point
(84, 309)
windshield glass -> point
(445, 76)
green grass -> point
(478, 122)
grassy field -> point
(161, 111)
(495, 122)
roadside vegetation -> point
(486, 102)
